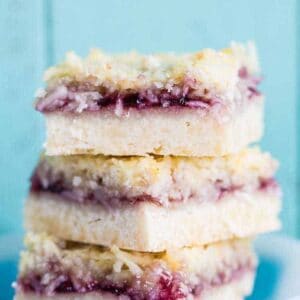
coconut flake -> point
(125, 259)
(53, 100)
(40, 93)
(76, 180)
(119, 107)
(197, 104)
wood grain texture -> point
(39, 33)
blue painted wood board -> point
(22, 56)
(38, 33)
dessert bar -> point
(154, 203)
(51, 268)
(199, 104)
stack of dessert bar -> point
(147, 188)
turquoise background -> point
(36, 34)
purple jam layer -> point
(155, 283)
(44, 179)
(77, 97)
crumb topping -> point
(51, 266)
(136, 71)
(205, 80)
(165, 181)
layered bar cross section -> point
(154, 203)
(56, 269)
(200, 104)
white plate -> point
(278, 276)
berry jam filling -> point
(44, 179)
(78, 97)
(155, 283)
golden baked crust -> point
(210, 68)
(160, 177)
(56, 268)
(206, 260)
